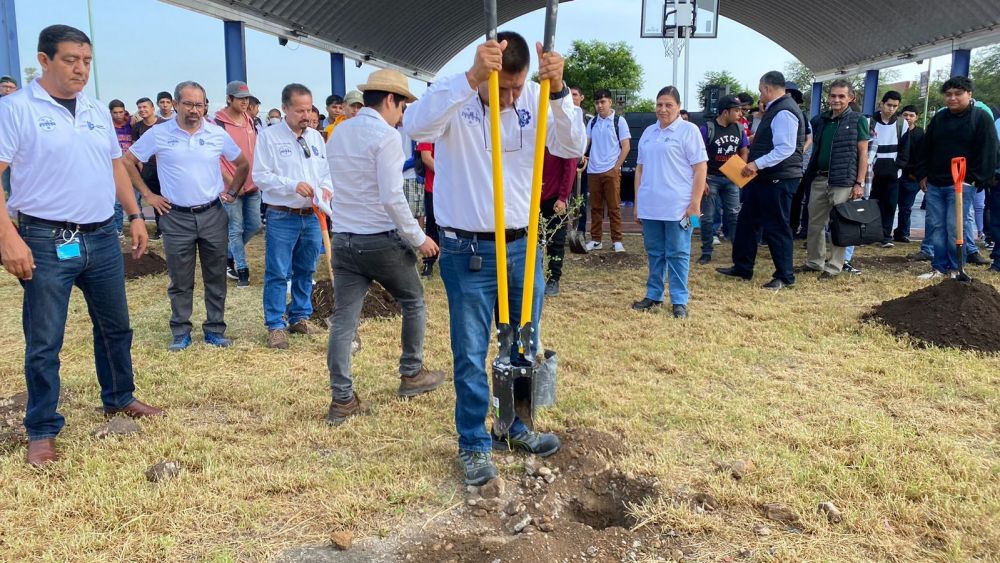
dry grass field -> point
(904, 439)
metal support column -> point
(871, 92)
(338, 75)
(960, 59)
(236, 50)
(816, 100)
(10, 61)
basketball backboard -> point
(660, 18)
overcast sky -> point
(145, 46)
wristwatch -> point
(134, 216)
(560, 94)
(859, 184)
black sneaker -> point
(428, 270)
(848, 268)
(231, 270)
(776, 284)
(977, 259)
(477, 466)
(156, 236)
(646, 304)
(552, 288)
(733, 272)
(538, 443)
(680, 311)
(919, 256)
(705, 259)
(904, 240)
(243, 277)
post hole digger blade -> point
(515, 369)
(958, 175)
(575, 238)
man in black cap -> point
(7, 85)
(724, 138)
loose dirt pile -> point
(378, 302)
(952, 313)
(148, 264)
(610, 260)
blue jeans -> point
(722, 193)
(472, 299)
(244, 223)
(941, 220)
(291, 247)
(119, 218)
(99, 272)
(668, 246)
(968, 248)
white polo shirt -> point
(280, 163)
(605, 144)
(451, 115)
(187, 165)
(60, 164)
(667, 156)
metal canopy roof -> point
(419, 36)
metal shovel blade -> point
(512, 396)
(577, 244)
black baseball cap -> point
(729, 102)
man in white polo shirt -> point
(454, 115)
(289, 168)
(610, 141)
(374, 234)
(187, 150)
(67, 172)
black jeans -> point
(885, 189)
(766, 205)
(585, 193)
(555, 237)
(430, 225)
(907, 195)
(799, 214)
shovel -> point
(958, 175)
(514, 384)
(577, 244)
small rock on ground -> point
(342, 540)
(492, 489)
(832, 512)
(780, 513)
(163, 471)
(117, 426)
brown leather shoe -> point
(42, 452)
(303, 327)
(136, 409)
(339, 412)
(278, 339)
(424, 381)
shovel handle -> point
(496, 154)
(326, 240)
(958, 175)
(958, 171)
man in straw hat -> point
(374, 236)
(454, 115)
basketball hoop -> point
(672, 46)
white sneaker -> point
(618, 247)
(932, 275)
(594, 245)
(716, 241)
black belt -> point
(293, 210)
(196, 208)
(382, 234)
(510, 234)
(23, 219)
(825, 173)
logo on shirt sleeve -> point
(315, 150)
(46, 123)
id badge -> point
(68, 250)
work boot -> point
(680, 311)
(477, 466)
(42, 452)
(538, 443)
(136, 409)
(303, 327)
(919, 256)
(243, 277)
(340, 412)
(278, 339)
(424, 381)
(646, 304)
(977, 259)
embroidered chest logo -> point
(46, 123)
(523, 117)
(471, 116)
(284, 151)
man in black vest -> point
(776, 159)
(836, 173)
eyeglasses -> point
(506, 147)
(305, 147)
(192, 105)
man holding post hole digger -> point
(475, 150)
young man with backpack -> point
(889, 130)
(725, 137)
(609, 144)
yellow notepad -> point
(733, 169)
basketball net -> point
(672, 46)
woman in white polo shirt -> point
(670, 173)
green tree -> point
(985, 74)
(641, 104)
(595, 65)
(798, 73)
(721, 78)
(30, 73)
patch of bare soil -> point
(610, 260)
(11, 415)
(892, 264)
(378, 302)
(148, 264)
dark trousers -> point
(885, 189)
(766, 206)
(907, 195)
(585, 193)
(430, 224)
(186, 236)
(555, 237)
(993, 225)
(799, 214)
(99, 272)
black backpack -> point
(418, 163)
(590, 127)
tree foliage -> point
(721, 78)
(595, 65)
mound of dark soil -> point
(378, 302)
(952, 313)
(893, 264)
(148, 264)
(611, 260)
